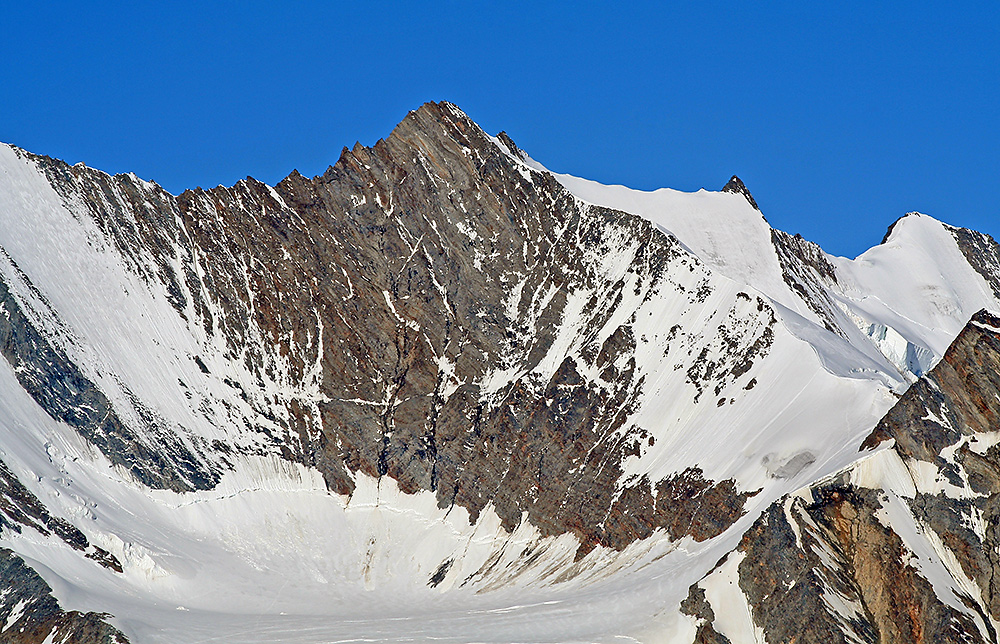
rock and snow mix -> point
(441, 393)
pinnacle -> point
(736, 186)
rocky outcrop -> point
(956, 399)
(736, 186)
(806, 269)
(830, 569)
(30, 614)
(438, 265)
(946, 426)
(982, 252)
(902, 546)
(21, 509)
(698, 607)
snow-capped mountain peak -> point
(437, 384)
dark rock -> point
(736, 186)
(511, 146)
(400, 258)
(40, 617)
(983, 254)
(697, 606)
(808, 272)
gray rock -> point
(40, 617)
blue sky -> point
(840, 118)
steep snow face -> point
(908, 297)
(119, 329)
(720, 228)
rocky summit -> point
(441, 392)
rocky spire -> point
(736, 186)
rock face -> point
(807, 270)
(903, 545)
(418, 287)
(982, 252)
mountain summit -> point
(441, 392)
(736, 186)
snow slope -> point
(910, 295)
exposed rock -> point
(22, 509)
(736, 186)
(511, 146)
(788, 570)
(29, 614)
(829, 569)
(805, 268)
(697, 606)
(957, 398)
(983, 254)
(844, 560)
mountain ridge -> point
(437, 326)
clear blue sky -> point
(839, 117)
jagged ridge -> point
(438, 313)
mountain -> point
(441, 392)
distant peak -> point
(736, 186)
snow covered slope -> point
(909, 296)
(436, 392)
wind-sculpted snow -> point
(430, 393)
